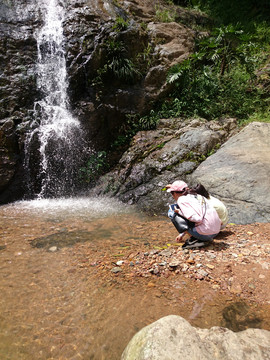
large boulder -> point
(238, 173)
(157, 157)
(172, 337)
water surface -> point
(59, 299)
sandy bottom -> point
(61, 300)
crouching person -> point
(192, 214)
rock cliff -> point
(117, 54)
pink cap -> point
(178, 185)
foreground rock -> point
(172, 337)
(238, 173)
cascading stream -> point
(54, 145)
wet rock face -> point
(18, 55)
(8, 150)
(18, 23)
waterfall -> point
(54, 144)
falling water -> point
(54, 145)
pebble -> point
(120, 262)
(116, 270)
(166, 252)
(235, 289)
(174, 263)
(199, 276)
(53, 249)
(210, 255)
(185, 267)
(202, 272)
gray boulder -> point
(173, 338)
(158, 157)
(238, 174)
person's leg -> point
(196, 235)
(197, 240)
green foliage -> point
(133, 124)
(145, 58)
(120, 24)
(232, 12)
(94, 167)
(143, 26)
(263, 116)
(165, 15)
(123, 69)
(148, 122)
(220, 79)
(206, 94)
(117, 64)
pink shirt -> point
(199, 210)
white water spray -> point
(55, 134)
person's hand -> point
(177, 211)
(180, 237)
